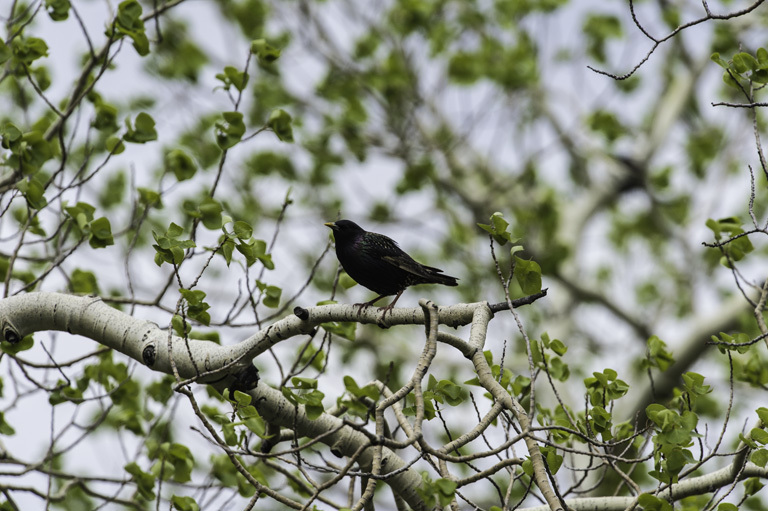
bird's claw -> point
(382, 320)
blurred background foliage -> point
(415, 118)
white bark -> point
(207, 362)
(691, 486)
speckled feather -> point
(376, 261)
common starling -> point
(376, 262)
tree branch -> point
(145, 342)
(693, 486)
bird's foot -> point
(361, 306)
(382, 320)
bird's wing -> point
(407, 263)
(389, 251)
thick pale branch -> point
(141, 340)
(207, 362)
(305, 320)
(146, 342)
(693, 486)
(343, 441)
(90, 317)
(485, 376)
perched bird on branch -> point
(376, 261)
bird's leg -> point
(362, 306)
(389, 307)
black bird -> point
(376, 261)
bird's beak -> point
(332, 226)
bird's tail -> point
(436, 276)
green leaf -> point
(168, 247)
(313, 411)
(370, 391)
(182, 461)
(716, 58)
(28, 151)
(762, 413)
(181, 164)
(210, 210)
(227, 247)
(762, 57)
(242, 230)
(5, 52)
(5, 428)
(446, 490)
(145, 482)
(752, 486)
(143, 132)
(113, 192)
(559, 369)
(280, 123)
(231, 130)
(265, 53)
(658, 356)
(605, 387)
(128, 22)
(744, 62)
(652, 503)
(344, 330)
(241, 398)
(64, 393)
(184, 503)
(114, 145)
(558, 347)
(498, 229)
(447, 391)
(346, 281)
(42, 76)
(735, 249)
(58, 10)
(255, 250)
(196, 306)
(83, 282)
(694, 384)
(759, 457)
(33, 190)
(81, 213)
(554, 460)
(149, 198)
(307, 394)
(607, 124)
(161, 390)
(180, 326)
(304, 383)
(232, 77)
(748, 441)
(598, 29)
(759, 435)
(436, 494)
(271, 163)
(23, 345)
(528, 275)
(100, 233)
(28, 50)
(272, 296)
(465, 68)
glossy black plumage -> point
(376, 261)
